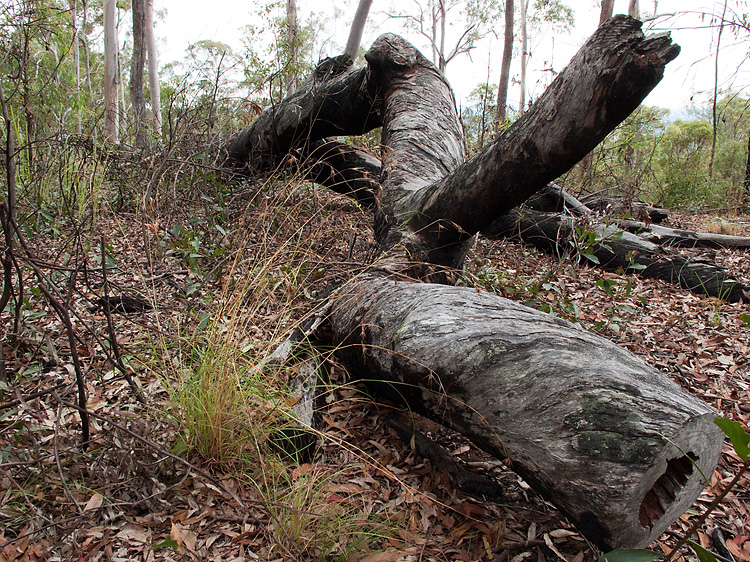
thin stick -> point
(57, 456)
(111, 329)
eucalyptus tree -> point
(451, 27)
(502, 88)
(357, 28)
(111, 106)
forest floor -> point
(163, 478)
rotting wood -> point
(617, 249)
(607, 439)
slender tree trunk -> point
(524, 56)
(111, 114)
(26, 88)
(441, 54)
(358, 27)
(153, 67)
(608, 7)
(747, 174)
(292, 37)
(502, 88)
(76, 60)
(714, 124)
(137, 63)
(633, 9)
(84, 40)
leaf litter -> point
(365, 494)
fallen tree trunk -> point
(607, 439)
(599, 445)
(615, 249)
(620, 205)
(665, 236)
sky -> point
(688, 80)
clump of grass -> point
(228, 408)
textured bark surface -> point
(603, 83)
(335, 101)
(617, 249)
(343, 169)
(585, 422)
(609, 440)
(665, 236)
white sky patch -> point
(688, 79)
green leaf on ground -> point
(737, 435)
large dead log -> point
(617, 249)
(585, 422)
(665, 236)
(607, 439)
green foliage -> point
(737, 435)
(268, 52)
(666, 162)
(703, 554)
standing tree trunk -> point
(502, 88)
(292, 38)
(76, 60)
(153, 67)
(524, 55)
(633, 9)
(714, 101)
(608, 7)
(358, 27)
(111, 114)
(137, 63)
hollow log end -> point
(672, 483)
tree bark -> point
(153, 67)
(524, 56)
(502, 88)
(76, 59)
(609, 440)
(684, 238)
(335, 101)
(615, 249)
(633, 9)
(292, 37)
(358, 27)
(111, 114)
(137, 63)
(606, 438)
(608, 7)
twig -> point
(717, 500)
(62, 313)
(23, 399)
(111, 329)
(57, 455)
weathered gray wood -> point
(604, 82)
(584, 421)
(606, 438)
(334, 101)
(615, 249)
(343, 169)
(665, 236)
(636, 209)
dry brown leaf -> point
(95, 502)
